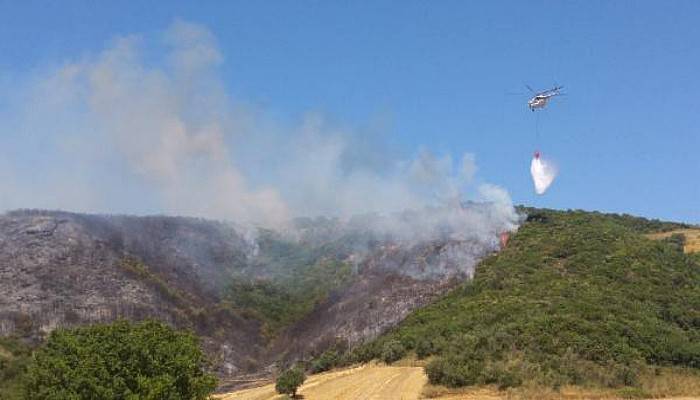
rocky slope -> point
(64, 269)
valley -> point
(254, 297)
(574, 300)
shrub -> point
(148, 360)
(289, 381)
(363, 353)
(326, 361)
(450, 373)
(633, 393)
(14, 359)
(501, 375)
(677, 240)
(392, 351)
(424, 348)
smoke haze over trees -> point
(147, 125)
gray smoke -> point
(123, 131)
(431, 242)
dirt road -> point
(365, 382)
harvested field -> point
(380, 382)
(365, 382)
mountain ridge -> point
(65, 269)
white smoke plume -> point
(125, 131)
(437, 242)
(543, 173)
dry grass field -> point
(380, 382)
(369, 381)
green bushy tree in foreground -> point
(289, 381)
(14, 358)
(121, 360)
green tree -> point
(121, 360)
(14, 358)
(289, 381)
(393, 350)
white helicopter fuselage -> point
(540, 99)
(537, 102)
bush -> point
(14, 359)
(500, 375)
(363, 353)
(392, 351)
(329, 359)
(424, 348)
(148, 360)
(289, 381)
(449, 373)
(633, 393)
(677, 240)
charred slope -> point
(63, 269)
(253, 298)
(391, 281)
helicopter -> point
(540, 99)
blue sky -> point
(437, 75)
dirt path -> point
(365, 382)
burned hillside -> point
(253, 295)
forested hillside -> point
(575, 298)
